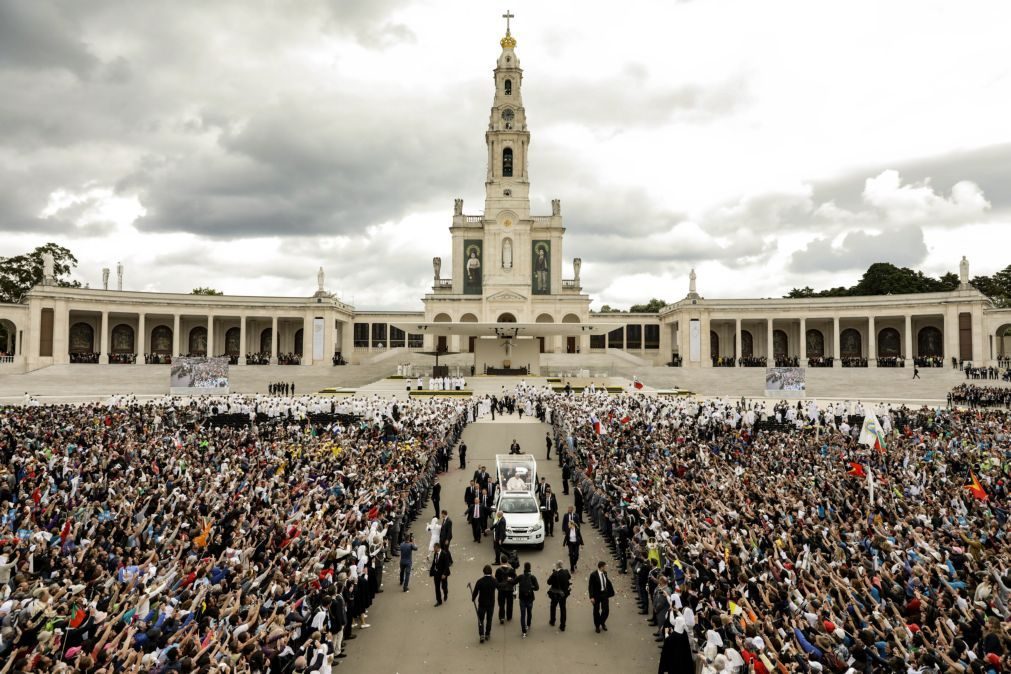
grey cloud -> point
(591, 101)
(988, 166)
(333, 168)
(38, 34)
(902, 246)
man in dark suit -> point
(440, 573)
(485, 510)
(470, 492)
(436, 494)
(446, 532)
(549, 508)
(499, 536)
(463, 455)
(476, 515)
(601, 590)
(484, 594)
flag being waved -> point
(871, 433)
(975, 488)
(856, 470)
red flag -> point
(155, 468)
(65, 532)
(78, 618)
(36, 495)
(976, 489)
(625, 419)
(856, 470)
(637, 384)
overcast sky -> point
(241, 144)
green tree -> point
(205, 291)
(652, 307)
(607, 309)
(21, 273)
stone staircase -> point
(840, 383)
(69, 381)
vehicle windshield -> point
(518, 505)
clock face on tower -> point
(507, 115)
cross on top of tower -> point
(508, 42)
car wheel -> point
(539, 546)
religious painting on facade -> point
(850, 344)
(928, 342)
(82, 338)
(747, 344)
(888, 343)
(541, 267)
(122, 339)
(161, 339)
(815, 344)
(473, 257)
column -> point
(803, 342)
(737, 340)
(210, 336)
(330, 337)
(872, 343)
(909, 338)
(141, 341)
(175, 335)
(242, 340)
(707, 345)
(769, 349)
(836, 350)
(273, 340)
(951, 349)
(347, 343)
(103, 349)
(307, 327)
(979, 355)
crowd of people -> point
(83, 357)
(775, 541)
(157, 359)
(854, 361)
(980, 396)
(928, 361)
(890, 361)
(821, 361)
(289, 359)
(146, 537)
(992, 372)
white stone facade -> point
(517, 277)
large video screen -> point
(195, 375)
(785, 379)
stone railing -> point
(571, 285)
(473, 219)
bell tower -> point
(507, 185)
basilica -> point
(501, 300)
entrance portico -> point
(505, 346)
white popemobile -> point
(517, 499)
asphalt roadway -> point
(409, 634)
